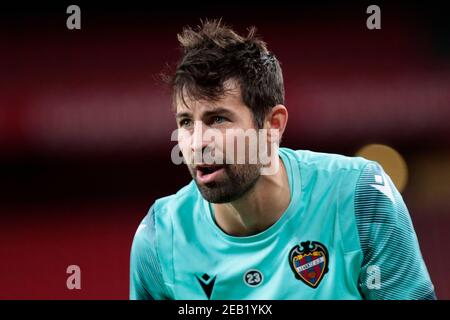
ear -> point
(277, 119)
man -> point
(319, 226)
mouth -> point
(208, 173)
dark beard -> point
(238, 180)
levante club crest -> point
(309, 262)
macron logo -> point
(382, 185)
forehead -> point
(231, 100)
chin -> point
(215, 194)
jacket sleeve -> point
(392, 267)
(146, 280)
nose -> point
(198, 143)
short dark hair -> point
(213, 53)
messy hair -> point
(213, 53)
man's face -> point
(227, 180)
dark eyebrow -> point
(220, 110)
(208, 113)
(183, 115)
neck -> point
(259, 208)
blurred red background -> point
(85, 123)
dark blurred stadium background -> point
(85, 123)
